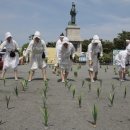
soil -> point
(64, 113)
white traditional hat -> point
(127, 41)
(37, 34)
(128, 49)
(66, 39)
(8, 34)
(96, 39)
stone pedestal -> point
(73, 33)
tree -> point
(120, 40)
(85, 44)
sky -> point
(22, 18)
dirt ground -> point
(64, 113)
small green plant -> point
(98, 92)
(83, 82)
(46, 83)
(45, 93)
(24, 84)
(80, 101)
(44, 101)
(75, 74)
(113, 87)
(73, 92)
(94, 114)
(45, 115)
(101, 83)
(89, 86)
(4, 80)
(69, 87)
(16, 91)
(111, 98)
(66, 83)
(7, 98)
(125, 91)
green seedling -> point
(16, 91)
(98, 92)
(4, 80)
(73, 92)
(75, 74)
(45, 115)
(44, 101)
(125, 91)
(80, 101)
(113, 87)
(94, 114)
(83, 82)
(66, 83)
(101, 83)
(24, 84)
(46, 83)
(69, 87)
(7, 98)
(89, 86)
(111, 98)
(45, 93)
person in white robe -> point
(38, 55)
(58, 47)
(95, 51)
(65, 59)
(122, 60)
(11, 57)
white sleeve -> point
(29, 49)
(90, 51)
(123, 60)
(44, 48)
(2, 45)
(101, 50)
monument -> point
(73, 31)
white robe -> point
(121, 59)
(64, 57)
(10, 62)
(36, 50)
(92, 55)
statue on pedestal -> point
(73, 14)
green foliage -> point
(120, 40)
(51, 44)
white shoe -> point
(122, 80)
(92, 81)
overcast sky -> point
(106, 18)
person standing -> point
(58, 47)
(95, 51)
(11, 57)
(38, 54)
(122, 60)
(64, 58)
